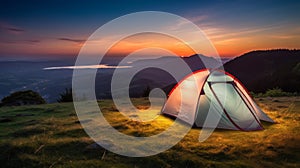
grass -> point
(51, 136)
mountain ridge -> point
(261, 70)
(258, 70)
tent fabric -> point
(214, 100)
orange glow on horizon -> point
(150, 40)
(227, 44)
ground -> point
(51, 136)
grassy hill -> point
(51, 136)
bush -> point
(66, 96)
(275, 92)
(19, 98)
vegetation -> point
(276, 92)
(264, 69)
(51, 136)
(27, 97)
(66, 96)
(296, 69)
(146, 92)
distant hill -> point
(267, 69)
(258, 71)
(31, 75)
(157, 78)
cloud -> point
(11, 29)
(224, 34)
(199, 19)
(101, 66)
(72, 40)
(283, 36)
(30, 41)
(15, 30)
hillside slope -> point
(263, 70)
(51, 136)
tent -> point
(214, 99)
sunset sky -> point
(57, 29)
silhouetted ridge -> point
(265, 69)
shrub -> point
(27, 97)
(277, 92)
(66, 96)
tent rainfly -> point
(214, 99)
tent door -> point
(234, 105)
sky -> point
(58, 29)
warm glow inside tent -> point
(214, 99)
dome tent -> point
(218, 94)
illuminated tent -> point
(214, 100)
